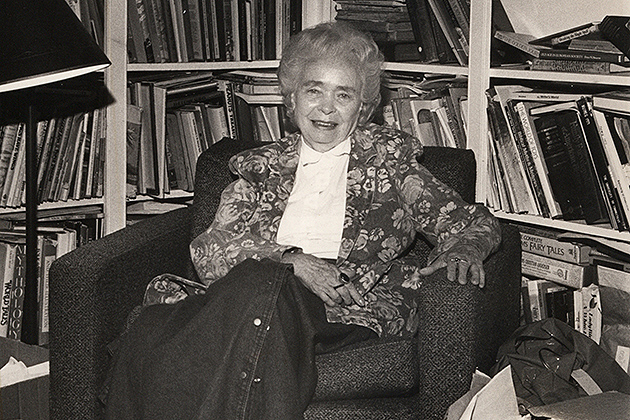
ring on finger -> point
(458, 260)
(344, 279)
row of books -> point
(70, 159)
(54, 240)
(91, 13)
(595, 47)
(210, 30)
(432, 110)
(581, 280)
(173, 118)
(560, 155)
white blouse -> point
(313, 218)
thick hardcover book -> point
(134, 129)
(617, 30)
(571, 275)
(174, 138)
(546, 243)
(450, 30)
(421, 25)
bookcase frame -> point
(479, 72)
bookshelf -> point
(481, 77)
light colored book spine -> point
(553, 248)
(619, 177)
(561, 272)
(8, 267)
(516, 41)
(588, 312)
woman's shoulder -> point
(255, 164)
(387, 140)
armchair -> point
(94, 288)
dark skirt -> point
(243, 350)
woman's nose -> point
(327, 104)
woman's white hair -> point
(333, 41)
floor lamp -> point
(41, 41)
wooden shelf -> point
(573, 226)
(203, 66)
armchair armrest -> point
(461, 327)
(92, 290)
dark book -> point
(421, 25)
(617, 30)
(451, 31)
(400, 51)
(565, 146)
(178, 158)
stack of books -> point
(559, 281)
(432, 110)
(594, 47)
(581, 280)
(560, 155)
(387, 22)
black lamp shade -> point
(43, 41)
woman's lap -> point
(237, 350)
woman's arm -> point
(229, 240)
(463, 234)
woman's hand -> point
(459, 261)
(324, 279)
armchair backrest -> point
(455, 167)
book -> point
(452, 33)
(564, 273)
(421, 26)
(616, 101)
(614, 289)
(134, 129)
(616, 159)
(16, 313)
(588, 311)
(566, 35)
(576, 66)
(617, 30)
(7, 264)
(48, 254)
(544, 299)
(547, 243)
(523, 42)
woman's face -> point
(327, 104)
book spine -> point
(553, 248)
(539, 161)
(526, 156)
(17, 294)
(568, 66)
(8, 264)
(617, 173)
(516, 43)
(443, 18)
(576, 55)
(571, 275)
(572, 35)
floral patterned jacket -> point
(389, 198)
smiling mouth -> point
(327, 125)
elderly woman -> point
(304, 252)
